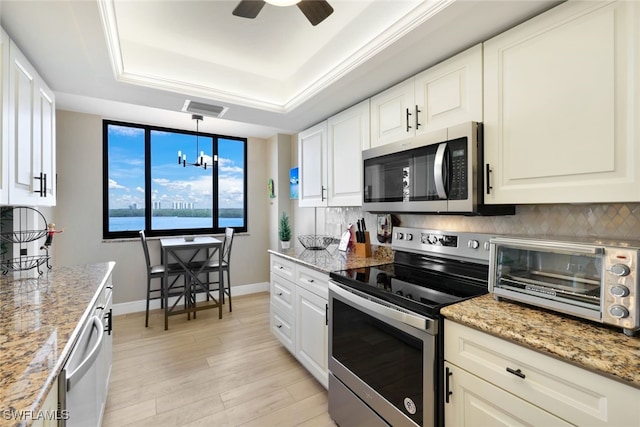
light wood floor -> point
(210, 372)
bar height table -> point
(184, 252)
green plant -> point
(284, 231)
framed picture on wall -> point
(293, 184)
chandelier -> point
(182, 158)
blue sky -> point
(171, 182)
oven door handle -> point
(87, 363)
(385, 310)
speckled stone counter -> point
(40, 319)
(332, 259)
(603, 350)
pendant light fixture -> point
(182, 158)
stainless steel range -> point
(386, 332)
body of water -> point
(132, 223)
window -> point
(145, 188)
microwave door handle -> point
(440, 171)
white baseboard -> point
(137, 306)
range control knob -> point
(408, 236)
(473, 244)
(618, 311)
(399, 236)
(619, 291)
(620, 269)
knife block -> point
(364, 249)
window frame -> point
(148, 203)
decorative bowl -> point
(315, 242)
(189, 238)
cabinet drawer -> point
(313, 281)
(282, 327)
(574, 394)
(283, 267)
(282, 292)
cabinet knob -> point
(279, 294)
(278, 326)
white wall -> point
(79, 212)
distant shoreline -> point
(186, 213)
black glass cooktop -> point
(423, 287)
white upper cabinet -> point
(348, 135)
(30, 135)
(446, 94)
(312, 166)
(561, 107)
(23, 150)
(390, 114)
(4, 119)
(450, 93)
(330, 159)
(45, 138)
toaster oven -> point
(597, 280)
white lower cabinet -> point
(491, 381)
(311, 333)
(298, 317)
(475, 402)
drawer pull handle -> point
(516, 372)
(310, 280)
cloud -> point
(114, 184)
(125, 131)
(140, 190)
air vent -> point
(204, 109)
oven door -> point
(383, 354)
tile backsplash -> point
(614, 221)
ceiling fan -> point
(316, 11)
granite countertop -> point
(601, 349)
(331, 259)
(40, 319)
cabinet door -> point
(393, 114)
(312, 164)
(4, 117)
(561, 106)
(348, 135)
(45, 138)
(22, 150)
(311, 340)
(475, 402)
(450, 93)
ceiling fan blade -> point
(316, 11)
(248, 8)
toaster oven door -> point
(566, 278)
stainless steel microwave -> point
(592, 280)
(437, 172)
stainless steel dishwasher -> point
(84, 379)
